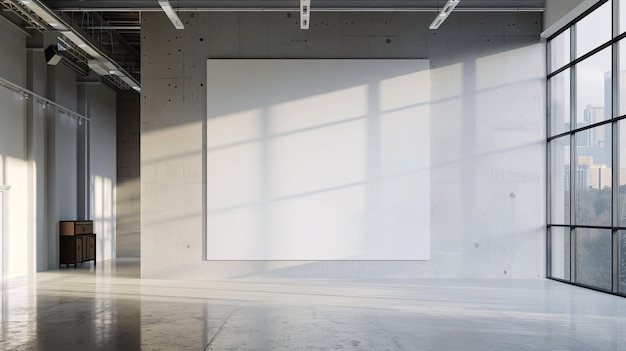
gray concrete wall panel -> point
(487, 136)
(128, 194)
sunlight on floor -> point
(107, 307)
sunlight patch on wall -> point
(405, 90)
(234, 128)
(316, 110)
(318, 160)
(233, 176)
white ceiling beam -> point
(444, 13)
(171, 14)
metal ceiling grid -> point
(114, 25)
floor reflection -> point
(107, 307)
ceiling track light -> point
(305, 13)
(105, 67)
(171, 14)
(98, 66)
(81, 43)
(444, 13)
(25, 94)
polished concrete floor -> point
(109, 308)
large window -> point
(586, 85)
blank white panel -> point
(238, 228)
(233, 176)
(318, 160)
(233, 128)
(405, 90)
(323, 226)
(320, 109)
(405, 140)
(323, 158)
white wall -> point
(39, 156)
(102, 114)
(66, 163)
(37, 180)
(61, 156)
(486, 129)
(13, 152)
(13, 172)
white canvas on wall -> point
(318, 160)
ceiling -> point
(113, 26)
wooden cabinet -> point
(77, 242)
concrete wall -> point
(487, 136)
(128, 175)
(488, 151)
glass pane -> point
(593, 89)
(622, 174)
(560, 103)
(622, 261)
(560, 181)
(593, 176)
(559, 51)
(621, 77)
(560, 253)
(593, 257)
(593, 30)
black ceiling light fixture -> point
(52, 55)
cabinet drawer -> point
(84, 227)
(70, 228)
